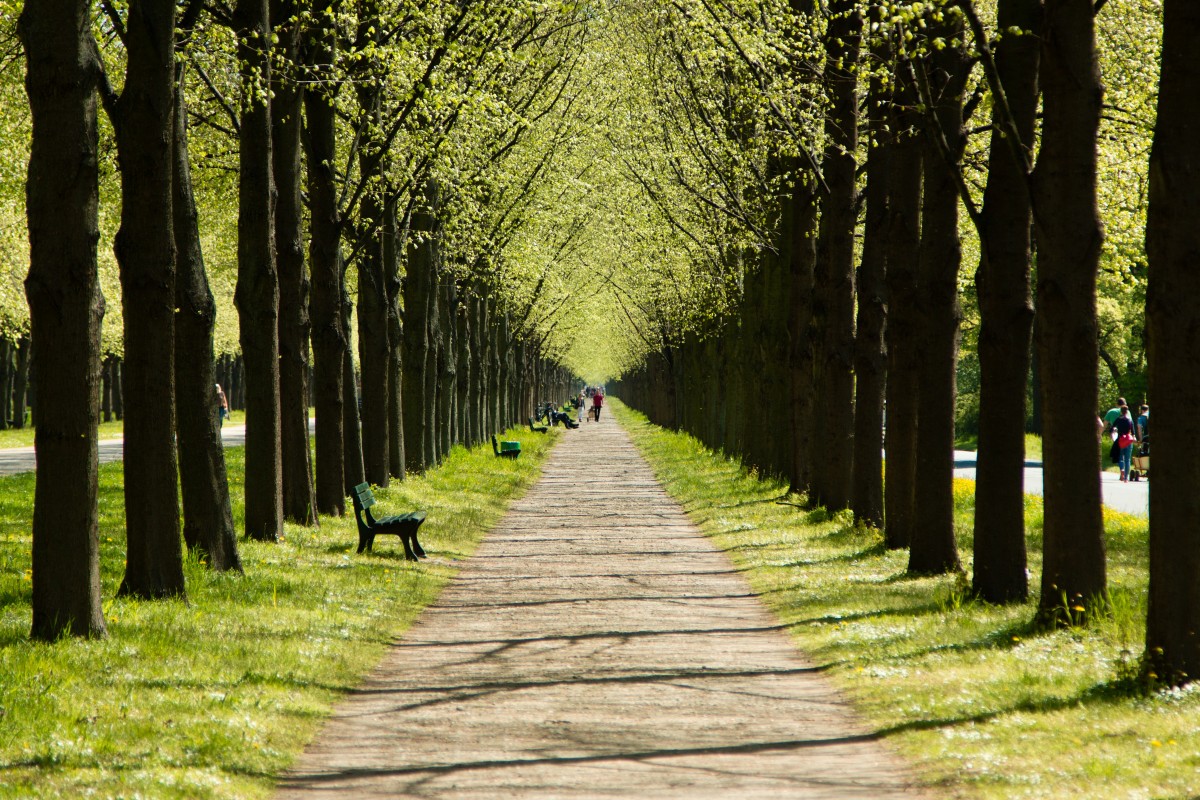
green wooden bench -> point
(403, 525)
(537, 428)
(505, 449)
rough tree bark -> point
(1069, 238)
(416, 336)
(325, 265)
(299, 505)
(933, 549)
(352, 428)
(904, 238)
(1173, 314)
(798, 242)
(257, 292)
(373, 345)
(145, 248)
(839, 216)
(65, 309)
(393, 244)
(1006, 317)
(870, 355)
(21, 381)
(204, 483)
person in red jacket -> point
(597, 404)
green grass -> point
(215, 697)
(976, 699)
(1033, 445)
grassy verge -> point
(979, 702)
(215, 697)
(1033, 445)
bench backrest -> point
(364, 495)
(501, 446)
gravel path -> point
(596, 646)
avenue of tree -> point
(761, 215)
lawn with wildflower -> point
(980, 702)
(215, 697)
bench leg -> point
(416, 546)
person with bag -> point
(1123, 426)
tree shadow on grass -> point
(1101, 693)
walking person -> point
(1111, 415)
(597, 404)
(580, 408)
(1123, 426)
(222, 407)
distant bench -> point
(505, 449)
(404, 525)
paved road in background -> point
(21, 459)
(1132, 498)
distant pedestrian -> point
(580, 408)
(1143, 423)
(1125, 439)
(1111, 415)
(597, 404)
(222, 406)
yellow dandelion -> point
(1155, 743)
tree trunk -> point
(447, 367)
(464, 402)
(257, 293)
(933, 549)
(328, 335)
(21, 382)
(416, 336)
(1006, 319)
(65, 310)
(835, 389)
(904, 356)
(393, 243)
(870, 355)
(431, 356)
(299, 505)
(352, 429)
(106, 388)
(799, 228)
(204, 483)
(118, 388)
(1173, 315)
(478, 362)
(373, 345)
(6, 382)
(145, 249)
(1069, 238)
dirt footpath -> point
(597, 646)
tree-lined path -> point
(597, 645)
